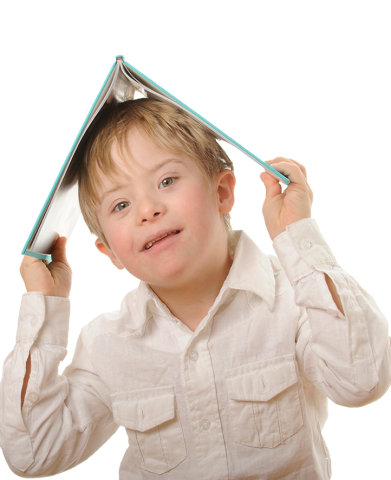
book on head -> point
(61, 209)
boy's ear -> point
(103, 249)
(225, 182)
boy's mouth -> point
(149, 245)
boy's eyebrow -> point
(152, 170)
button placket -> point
(203, 405)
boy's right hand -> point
(53, 279)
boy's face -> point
(153, 200)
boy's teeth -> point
(149, 245)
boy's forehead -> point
(137, 155)
(111, 177)
(122, 153)
(138, 152)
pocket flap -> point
(261, 381)
(142, 410)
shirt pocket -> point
(264, 402)
(153, 427)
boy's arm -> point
(65, 418)
(26, 378)
(333, 290)
(347, 355)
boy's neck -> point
(190, 303)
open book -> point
(61, 210)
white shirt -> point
(243, 396)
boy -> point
(220, 363)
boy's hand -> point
(53, 279)
(282, 209)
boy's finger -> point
(272, 185)
(58, 255)
(59, 252)
(27, 260)
(281, 159)
(292, 171)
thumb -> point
(59, 251)
(271, 185)
(264, 177)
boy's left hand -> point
(282, 209)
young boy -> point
(220, 363)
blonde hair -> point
(164, 124)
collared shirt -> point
(243, 396)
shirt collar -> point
(251, 270)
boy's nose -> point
(154, 215)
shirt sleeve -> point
(65, 418)
(347, 356)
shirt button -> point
(205, 424)
(32, 397)
(305, 244)
(33, 321)
(193, 356)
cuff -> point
(43, 319)
(301, 249)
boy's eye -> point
(123, 203)
(168, 178)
